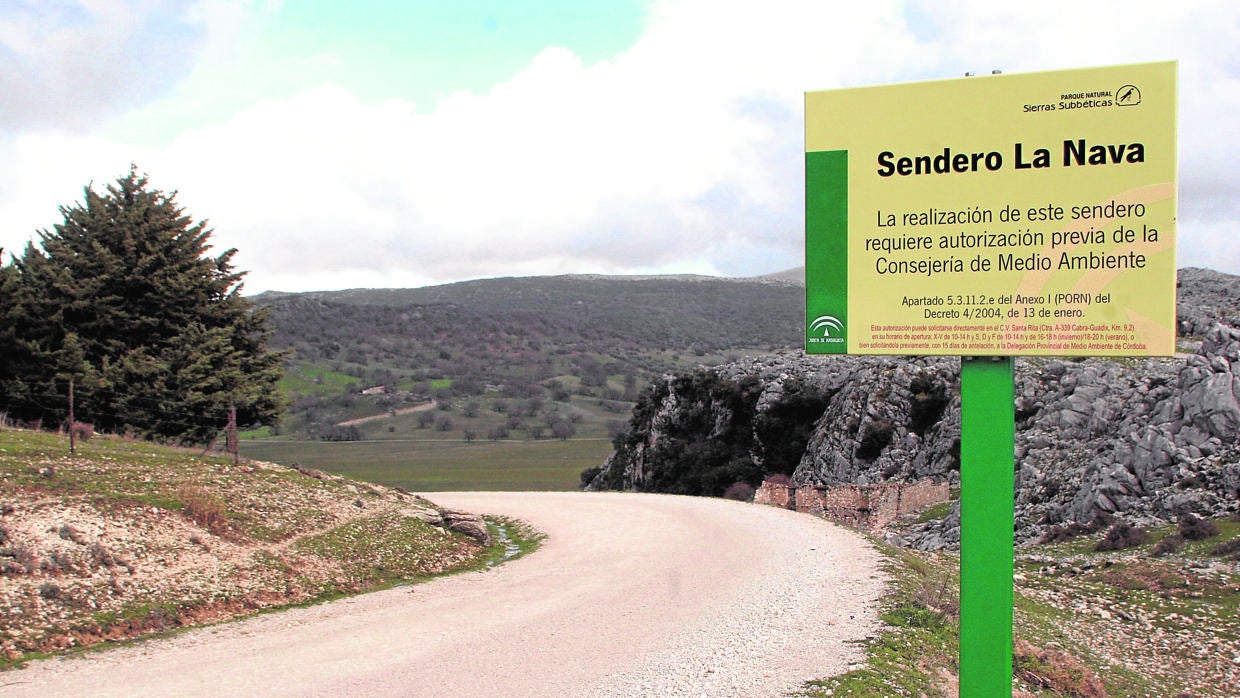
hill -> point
(125, 538)
(598, 336)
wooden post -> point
(233, 446)
(72, 419)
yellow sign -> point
(998, 215)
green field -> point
(438, 466)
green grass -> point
(440, 466)
(388, 548)
(936, 512)
(917, 652)
(513, 539)
(308, 379)
(592, 419)
(106, 468)
(921, 637)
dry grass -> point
(204, 509)
(1056, 671)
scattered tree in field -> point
(123, 298)
(563, 430)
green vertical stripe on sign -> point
(826, 252)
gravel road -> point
(630, 595)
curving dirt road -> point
(629, 595)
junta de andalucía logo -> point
(826, 324)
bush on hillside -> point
(1171, 544)
(1230, 549)
(1194, 527)
(1120, 536)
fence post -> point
(72, 419)
(233, 446)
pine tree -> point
(123, 297)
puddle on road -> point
(511, 549)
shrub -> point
(19, 558)
(1230, 548)
(82, 431)
(70, 533)
(1065, 532)
(1168, 545)
(203, 509)
(1072, 529)
(339, 433)
(778, 479)
(1120, 536)
(1056, 671)
(1194, 527)
(740, 491)
(588, 475)
(102, 556)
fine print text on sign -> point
(1003, 215)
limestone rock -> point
(468, 524)
(1147, 439)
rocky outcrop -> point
(889, 419)
(1142, 438)
(1205, 298)
(467, 524)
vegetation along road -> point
(629, 595)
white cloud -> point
(682, 153)
(66, 64)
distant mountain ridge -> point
(681, 312)
(451, 291)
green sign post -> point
(987, 493)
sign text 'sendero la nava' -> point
(1024, 214)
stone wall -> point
(776, 495)
(872, 507)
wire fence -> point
(51, 411)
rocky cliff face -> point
(1142, 439)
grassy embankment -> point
(126, 538)
(1126, 623)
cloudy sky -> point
(404, 143)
